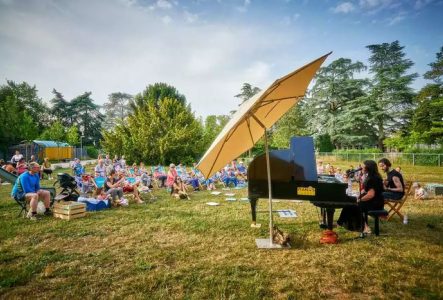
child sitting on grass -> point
(420, 192)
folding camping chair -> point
(24, 204)
(394, 206)
(99, 182)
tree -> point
(157, 130)
(156, 93)
(117, 108)
(72, 136)
(292, 124)
(56, 132)
(212, 127)
(29, 101)
(247, 92)
(428, 117)
(87, 114)
(61, 109)
(330, 106)
(390, 100)
(17, 123)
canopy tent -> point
(252, 120)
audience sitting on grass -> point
(160, 176)
(27, 185)
(420, 192)
(22, 166)
(16, 158)
(178, 189)
(77, 168)
(172, 175)
(100, 169)
(230, 177)
(194, 181)
(210, 184)
(46, 168)
(10, 168)
(241, 169)
(114, 187)
(130, 185)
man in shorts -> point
(28, 185)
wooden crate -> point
(68, 210)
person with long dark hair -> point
(371, 198)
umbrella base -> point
(266, 244)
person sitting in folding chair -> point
(394, 186)
(27, 185)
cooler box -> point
(94, 204)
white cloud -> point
(419, 4)
(397, 18)
(112, 46)
(288, 20)
(244, 7)
(166, 19)
(345, 7)
(190, 17)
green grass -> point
(185, 249)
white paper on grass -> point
(229, 194)
(244, 199)
(287, 213)
(231, 199)
(213, 203)
(215, 193)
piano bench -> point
(376, 214)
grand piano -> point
(294, 177)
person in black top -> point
(371, 198)
(394, 186)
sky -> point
(206, 49)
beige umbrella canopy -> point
(255, 115)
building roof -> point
(51, 144)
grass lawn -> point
(185, 249)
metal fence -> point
(416, 159)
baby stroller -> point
(68, 184)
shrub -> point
(92, 151)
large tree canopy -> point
(159, 130)
(116, 109)
(428, 117)
(330, 107)
(390, 100)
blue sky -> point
(206, 49)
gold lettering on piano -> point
(306, 191)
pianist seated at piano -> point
(371, 198)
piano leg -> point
(323, 223)
(330, 217)
(253, 202)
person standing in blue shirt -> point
(28, 185)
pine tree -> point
(390, 100)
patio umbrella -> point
(254, 117)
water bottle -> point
(405, 219)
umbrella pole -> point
(268, 170)
(269, 243)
